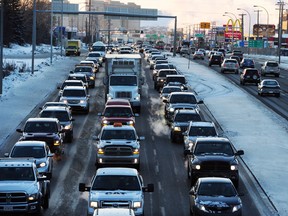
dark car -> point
(161, 77)
(269, 87)
(48, 130)
(215, 60)
(180, 123)
(237, 58)
(166, 90)
(64, 116)
(88, 71)
(214, 196)
(213, 157)
(198, 55)
(247, 63)
(250, 75)
(177, 80)
(38, 150)
(238, 53)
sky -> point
(244, 131)
(192, 12)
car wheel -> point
(70, 138)
(46, 202)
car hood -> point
(118, 119)
(13, 186)
(134, 143)
(31, 135)
(214, 157)
(183, 106)
(218, 201)
(175, 124)
(115, 195)
(72, 98)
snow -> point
(248, 123)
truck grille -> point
(118, 151)
(48, 140)
(13, 198)
(73, 101)
(215, 165)
(115, 204)
(123, 94)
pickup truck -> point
(116, 187)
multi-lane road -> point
(162, 162)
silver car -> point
(269, 87)
(38, 150)
(230, 65)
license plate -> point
(8, 208)
(270, 92)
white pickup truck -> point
(118, 188)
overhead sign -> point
(132, 11)
(264, 30)
(205, 25)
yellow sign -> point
(205, 25)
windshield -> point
(118, 134)
(202, 131)
(185, 117)
(60, 115)
(40, 127)
(74, 93)
(272, 64)
(213, 148)
(165, 73)
(123, 81)
(115, 182)
(161, 66)
(98, 48)
(16, 173)
(176, 79)
(216, 189)
(169, 90)
(83, 69)
(71, 84)
(183, 99)
(28, 151)
(118, 112)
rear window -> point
(272, 64)
(251, 72)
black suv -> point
(176, 80)
(215, 60)
(250, 75)
(64, 115)
(161, 77)
(180, 123)
(213, 157)
(48, 130)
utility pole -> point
(281, 5)
(89, 23)
(242, 27)
(1, 46)
(258, 11)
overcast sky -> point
(190, 12)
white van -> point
(99, 47)
(113, 212)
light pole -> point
(1, 46)
(258, 6)
(258, 11)
(281, 5)
(249, 21)
(232, 27)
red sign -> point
(235, 34)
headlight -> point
(161, 80)
(64, 101)
(43, 164)
(131, 123)
(136, 151)
(82, 101)
(237, 208)
(105, 122)
(56, 143)
(171, 109)
(177, 129)
(234, 167)
(100, 151)
(137, 98)
(67, 127)
(201, 207)
(33, 197)
(94, 204)
(137, 205)
(197, 167)
(92, 78)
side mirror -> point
(192, 191)
(148, 188)
(141, 138)
(82, 187)
(19, 130)
(239, 152)
(6, 155)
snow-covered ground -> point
(261, 133)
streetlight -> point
(231, 14)
(265, 10)
(232, 27)
(1, 46)
(249, 21)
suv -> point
(213, 157)
(88, 71)
(180, 122)
(158, 67)
(196, 130)
(118, 145)
(270, 67)
(70, 83)
(177, 80)
(238, 53)
(38, 150)
(64, 115)
(117, 113)
(215, 60)
(44, 129)
(121, 187)
(230, 65)
(78, 76)
(76, 97)
(250, 75)
(161, 77)
(22, 188)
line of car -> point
(212, 164)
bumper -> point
(222, 213)
(78, 107)
(20, 208)
(118, 160)
(234, 176)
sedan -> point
(214, 196)
(198, 55)
(38, 150)
(269, 87)
(230, 65)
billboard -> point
(264, 30)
